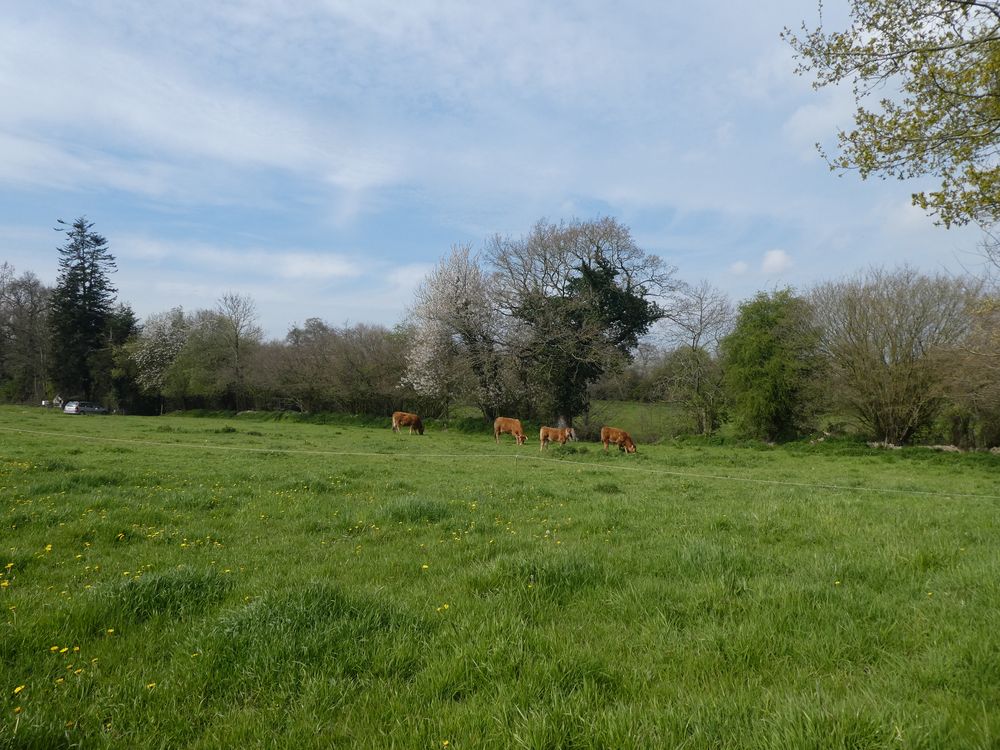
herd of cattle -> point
(509, 426)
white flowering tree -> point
(156, 349)
(457, 333)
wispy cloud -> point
(320, 155)
(776, 261)
(286, 263)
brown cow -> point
(555, 434)
(619, 437)
(513, 426)
(406, 419)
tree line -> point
(536, 326)
(542, 324)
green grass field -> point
(178, 582)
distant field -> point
(177, 582)
(644, 421)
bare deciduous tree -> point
(24, 344)
(973, 380)
(691, 374)
(240, 335)
(888, 335)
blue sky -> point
(322, 155)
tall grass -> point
(170, 582)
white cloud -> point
(769, 76)
(285, 263)
(776, 261)
(408, 276)
(739, 268)
(323, 169)
(308, 265)
(818, 121)
(160, 127)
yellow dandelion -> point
(17, 709)
(4, 583)
(151, 685)
(111, 631)
(425, 566)
(19, 688)
(53, 649)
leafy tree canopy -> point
(771, 360)
(943, 58)
(578, 297)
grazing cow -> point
(513, 426)
(406, 419)
(619, 437)
(555, 434)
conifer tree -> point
(81, 308)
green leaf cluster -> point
(772, 359)
(926, 80)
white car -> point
(83, 407)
